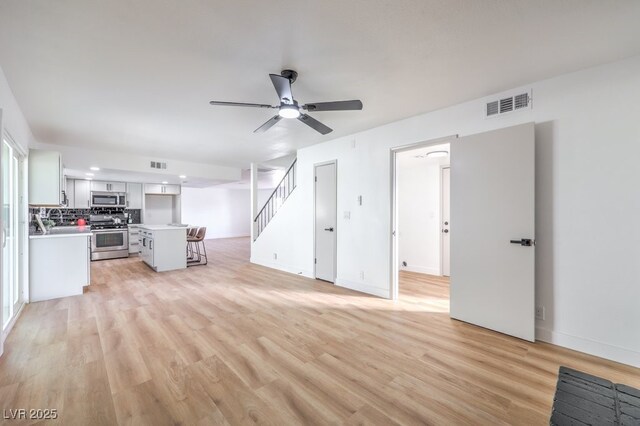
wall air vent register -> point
(508, 104)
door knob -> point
(328, 229)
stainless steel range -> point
(110, 238)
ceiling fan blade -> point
(240, 104)
(266, 126)
(283, 88)
(315, 124)
(334, 106)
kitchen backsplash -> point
(67, 216)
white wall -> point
(158, 209)
(13, 120)
(225, 212)
(587, 204)
(418, 203)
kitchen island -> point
(60, 262)
(163, 247)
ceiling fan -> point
(289, 107)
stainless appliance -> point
(108, 199)
(110, 239)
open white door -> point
(325, 221)
(445, 218)
(492, 207)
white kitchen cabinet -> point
(164, 247)
(172, 189)
(104, 186)
(134, 195)
(160, 189)
(82, 194)
(70, 192)
(46, 179)
(60, 266)
(134, 239)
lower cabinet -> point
(134, 240)
(163, 248)
(60, 266)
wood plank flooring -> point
(235, 343)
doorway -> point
(423, 224)
(13, 230)
(325, 218)
(492, 200)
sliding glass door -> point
(11, 236)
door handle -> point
(328, 229)
(526, 242)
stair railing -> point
(277, 198)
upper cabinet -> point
(70, 192)
(103, 186)
(82, 194)
(158, 189)
(134, 195)
(46, 178)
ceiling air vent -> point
(158, 165)
(509, 104)
(506, 105)
(521, 101)
(493, 108)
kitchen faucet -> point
(59, 214)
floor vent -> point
(508, 104)
(158, 165)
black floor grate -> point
(583, 399)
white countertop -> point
(162, 227)
(64, 232)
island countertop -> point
(64, 232)
(162, 227)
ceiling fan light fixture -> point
(289, 111)
(436, 154)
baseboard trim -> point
(591, 347)
(281, 267)
(363, 288)
(421, 270)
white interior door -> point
(492, 207)
(445, 219)
(325, 221)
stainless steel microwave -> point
(108, 199)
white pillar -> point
(254, 200)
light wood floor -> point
(235, 343)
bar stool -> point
(191, 233)
(198, 250)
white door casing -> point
(325, 229)
(492, 203)
(445, 221)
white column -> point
(254, 200)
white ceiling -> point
(418, 156)
(137, 76)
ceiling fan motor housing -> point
(291, 75)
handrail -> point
(279, 195)
(276, 189)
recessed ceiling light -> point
(94, 168)
(182, 177)
(89, 174)
(164, 182)
(435, 154)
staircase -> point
(276, 200)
